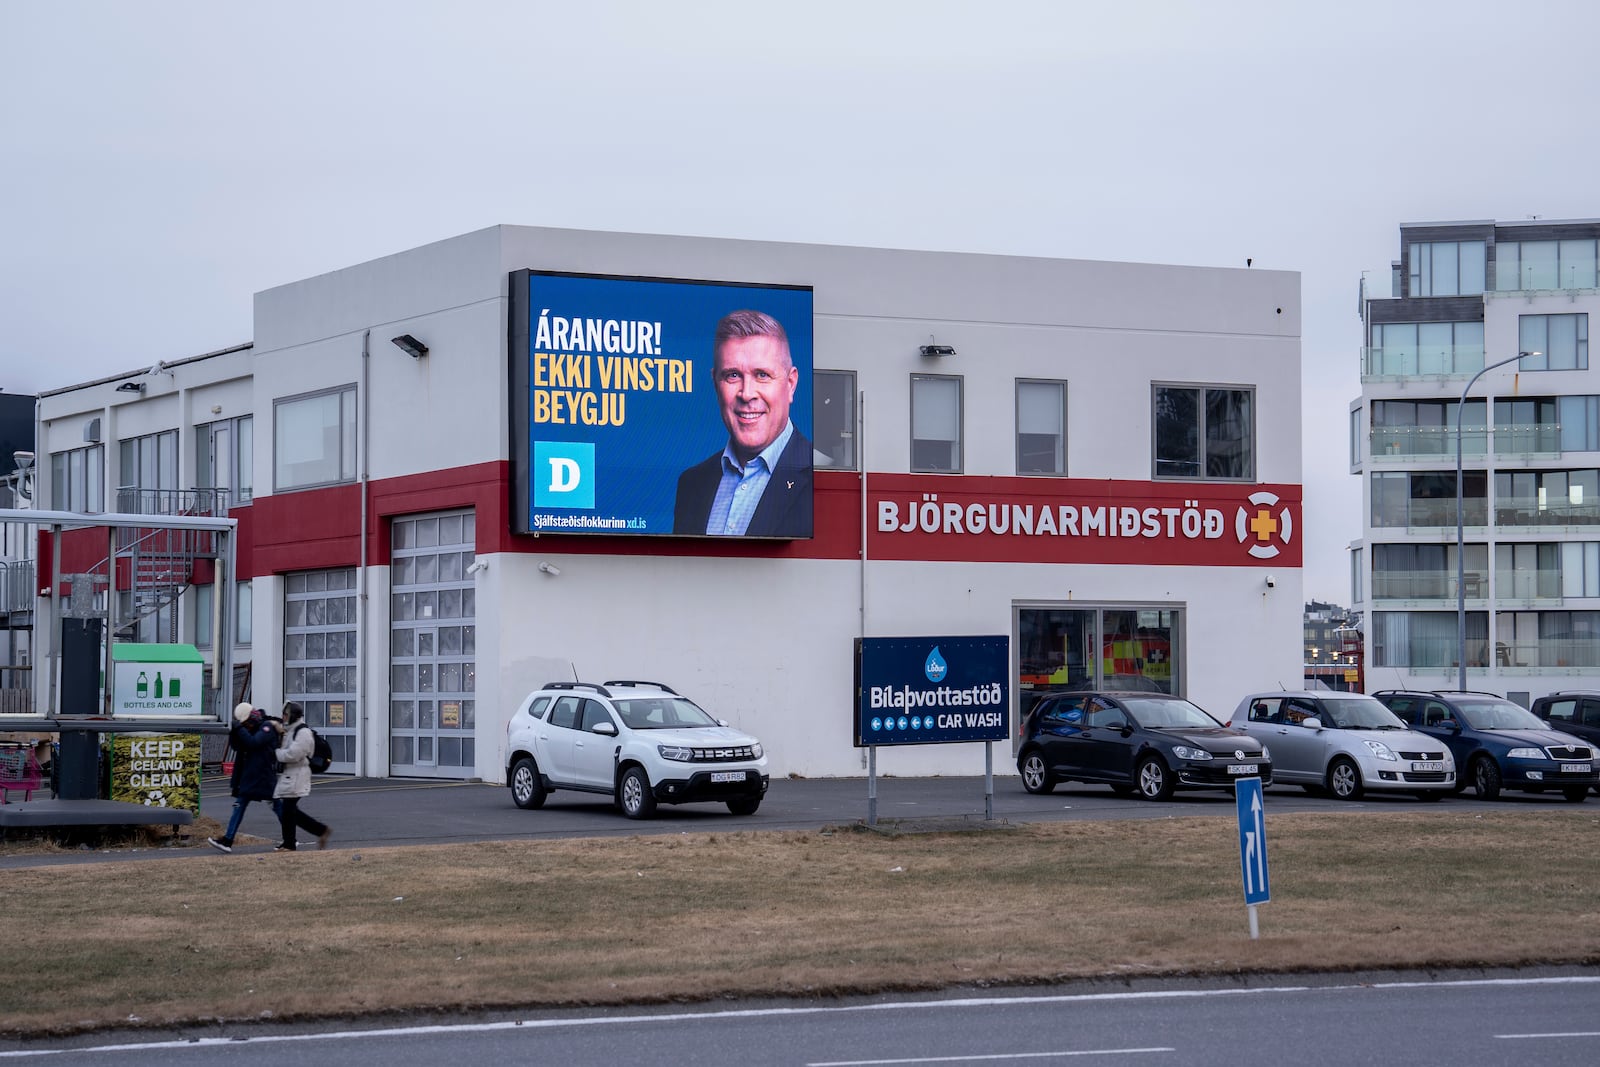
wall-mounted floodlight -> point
(938, 350)
(131, 387)
(410, 346)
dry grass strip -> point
(650, 919)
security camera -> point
(1271, 581)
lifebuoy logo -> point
(1260, 528)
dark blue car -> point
(1497, 744)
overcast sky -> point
(162, 162)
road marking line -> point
(994, 1056)
(1576, 1033)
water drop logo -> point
(936, 667)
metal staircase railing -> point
(160, 560)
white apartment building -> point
(1466, 296)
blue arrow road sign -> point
(1252, 840)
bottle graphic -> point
(158, 685)
(172, 689)
(141, 688)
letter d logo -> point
(563, 474)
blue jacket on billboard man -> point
(759, 485)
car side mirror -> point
(1311, 722)
(608, 728)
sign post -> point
(1252, 847)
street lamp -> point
(1461, 547)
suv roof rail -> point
(1466, 692)
(578, 685)
(657, 685)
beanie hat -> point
(242, 712)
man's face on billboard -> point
(755, 385)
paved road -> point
(369, 812)
(1310, 1021)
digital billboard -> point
(660, 407)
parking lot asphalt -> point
(373, 812)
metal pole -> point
(1255, 929)
(1461, 547)
(988, 781)
(872, 785)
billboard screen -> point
(654, 406)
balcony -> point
(1541, 439)
(1432, 514)
(1427, 585)
(1579, 652)
(1391, 442)
(1433, 361)
(1532, 511)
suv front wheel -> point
(634, 794)
(527, 788)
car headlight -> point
(679, 753)
(1525, 753)
(756, 751)
(1185, 752)
(1380, 749)
(1265, 754)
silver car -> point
(1346, 744)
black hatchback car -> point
(1148, 743)
(1497, 744)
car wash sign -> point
(932, 690)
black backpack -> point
(321, 752)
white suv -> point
(639, 742)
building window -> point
(1562, 341)
(1357, 590)
(1404, 349)
(1447, 268)
(77, 479)
(1521, 265)
(225, 459)
(1579, 417)
(1427, 572)
(1428, 498)
(834, 418)
(1547, 498)
(1428, 639)
(1204, 432)
(1041, 427)
(1580, 568)
(148, 482)
(319, 655)
(314, 439)
(203, 611)
(935, 424)
(1355, 439)
(1427, 428)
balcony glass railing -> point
(1433, 512)
(1529, 511)
(1427, 441)
(1426, 585)
(1525, 440)
(1411, 362)
(1579, 650)
(1529, 584)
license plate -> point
(727, 776)
(1433, 766)
(1576, 768)
(1242, 768)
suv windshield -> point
(1166, 714)
(1360, 713)
(661, 713)
(1490, 714)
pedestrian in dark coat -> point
(254, 741)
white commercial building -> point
(1100, 461)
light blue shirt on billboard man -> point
(759, 485)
